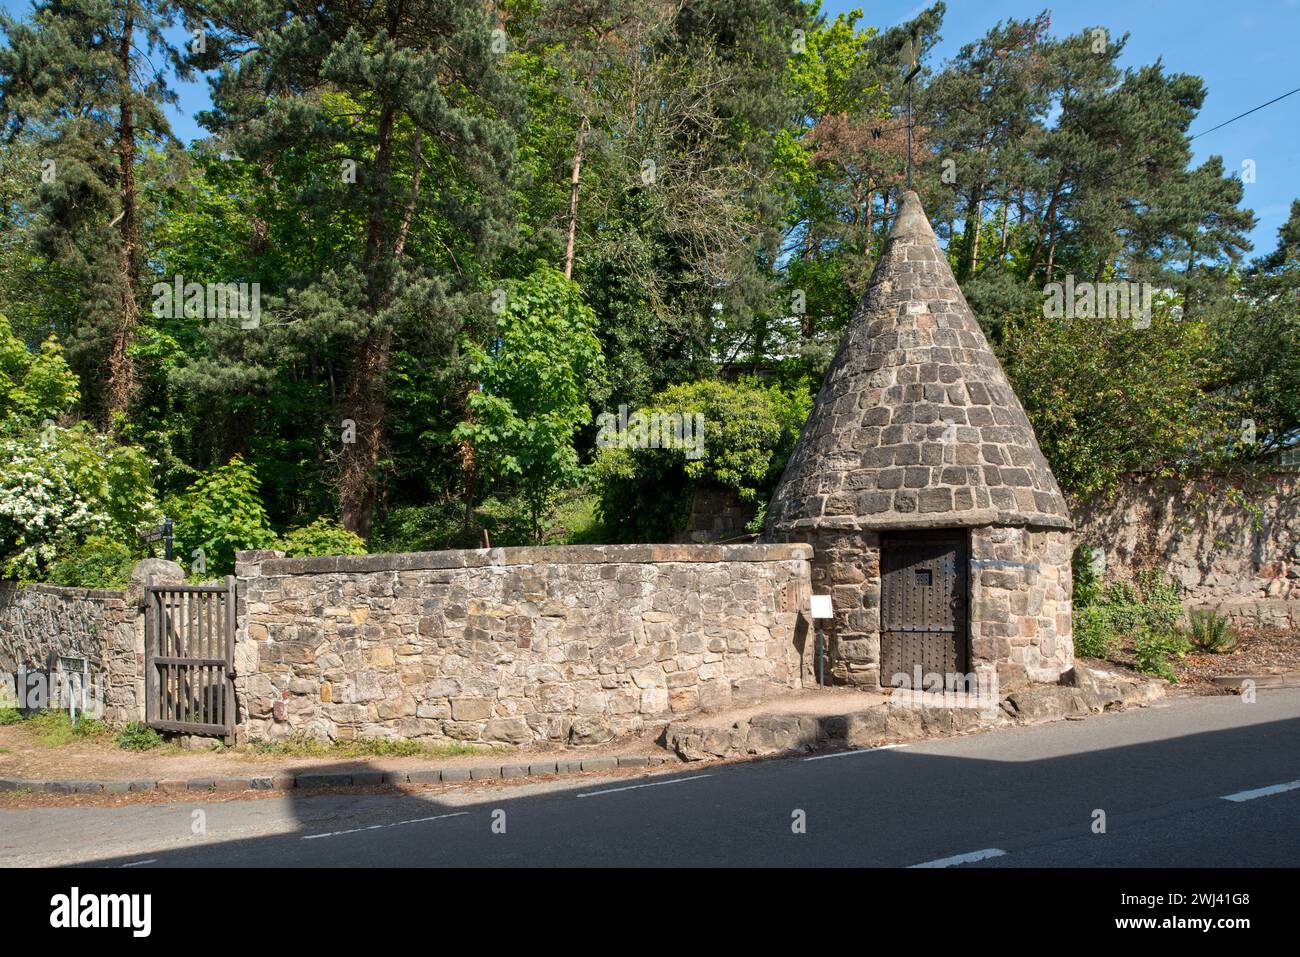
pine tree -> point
(396, 119)
(86, 80)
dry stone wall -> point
(105, 626)
(41, 621)
(570, 644)
(1231, 546)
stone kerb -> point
(513, 645)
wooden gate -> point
(923, 604)
(190, 658)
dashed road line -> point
(968, 858)
(380, 827)
(1262, 792)
(635, 787)
(152, 860)
(845, 754)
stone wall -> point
(1020, 609)
(513, 645)
(105, 626)
(846, 566)
(40, 621)
(1232, 546)
(717, 515)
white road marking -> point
(152, 860)
(1262, 792)
(634, 787)
(845, 754)
(964, 858)
(377, 827)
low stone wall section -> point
(571, 644)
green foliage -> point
(1094, 636)
(749, 431)
(101, 562)
(1104, 616)
(221, 514)
(1155, 649)
(59, 487)
(777, 169)
(1086, 581)
(535, 381)
(53, 729)
(322, 537)
(138, 737)
(1210, 632)
(10, 716)
(34, 386)
(1106, 399)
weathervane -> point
(907, 58)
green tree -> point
(87, 81)
(34, 386)
(219, 515)
(397, 116)
(745, 432)
(536, 379)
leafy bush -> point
(1086, 580)
(1093, 635)
(138, 737)
(1207, 631)
(749, 432)
(322, 537)
(88, 728)
(1103, 615)
(60, 487)
(101, 562)
(221, 514)
(10, 716)
(1154, 649)
(420, 528)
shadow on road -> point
(885, 807)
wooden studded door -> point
(923, 604)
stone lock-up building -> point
(936, 525)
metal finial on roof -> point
(908, 58)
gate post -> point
(151, 571)
(248, 568)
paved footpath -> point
(1194, 782)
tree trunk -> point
(575, 180)
(1049, 223)
(974, 219)
(121, 366)
(364, 400)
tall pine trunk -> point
(364, 394)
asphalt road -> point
(1029, 796)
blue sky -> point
(1247, 52)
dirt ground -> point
(22, 756)
(1256, 653)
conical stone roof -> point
(916, 425)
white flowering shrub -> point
(59, 487)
